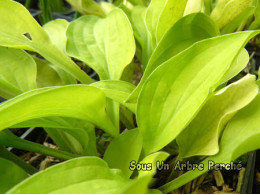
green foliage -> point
(107, 48)
(184, 81)
(89, 7)
(183, 34)
(98, 179)
(202, 134)
(226, 11)
(58, 104)
(234, 142)
(56, 29)
(10, 175)
(119, 153)
(15, 32)
(17, 72)
(191, 99)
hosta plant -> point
(111, 133)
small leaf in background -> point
(8, 139)
(87, 7)
(17, 72)
(175, 91)
(49, 75)
(10, 175)
(234, 25)
(118, 91)
(78, 141)
(85, 175)
(46, 75)
(256, 23)
(201, 136)
(56, 29)
(21, 30)
(139, 2)
(161, 16)
(193, 6)
(4, 153)
(124, 149)
(106, 45)
(226, 11)
(76, 101)
(137, 19)
(187, 31)
(64, 131)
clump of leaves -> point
(184, 96)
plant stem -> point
(28, 4)
(10, 156)
(46, 11)
(10, 140)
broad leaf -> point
(75, 101)
(177, 89)
(124, 149)
(201, 136)
(240, 136)
(10, 175)
(90, 175)
(226, 11)
(17, 72)
(20, 30)
(183, 34)
(106, 45)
